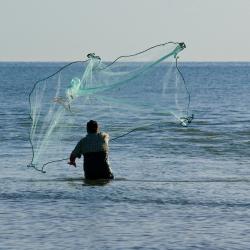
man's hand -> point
(72, 160)
(72, 163)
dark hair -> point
(92, 127)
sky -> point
(67, 30)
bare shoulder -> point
(105, 136)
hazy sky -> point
(55, 30)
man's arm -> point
(105, 137)
(76, 153)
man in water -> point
(94, 148)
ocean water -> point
(179, 188)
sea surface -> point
(179, 188)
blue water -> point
(179, 188)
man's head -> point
(92, 127)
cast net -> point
(127, 94)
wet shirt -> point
(92, 142)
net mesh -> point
(129, 93)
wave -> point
(86, 192)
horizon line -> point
(68, 61)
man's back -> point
(94, 148)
